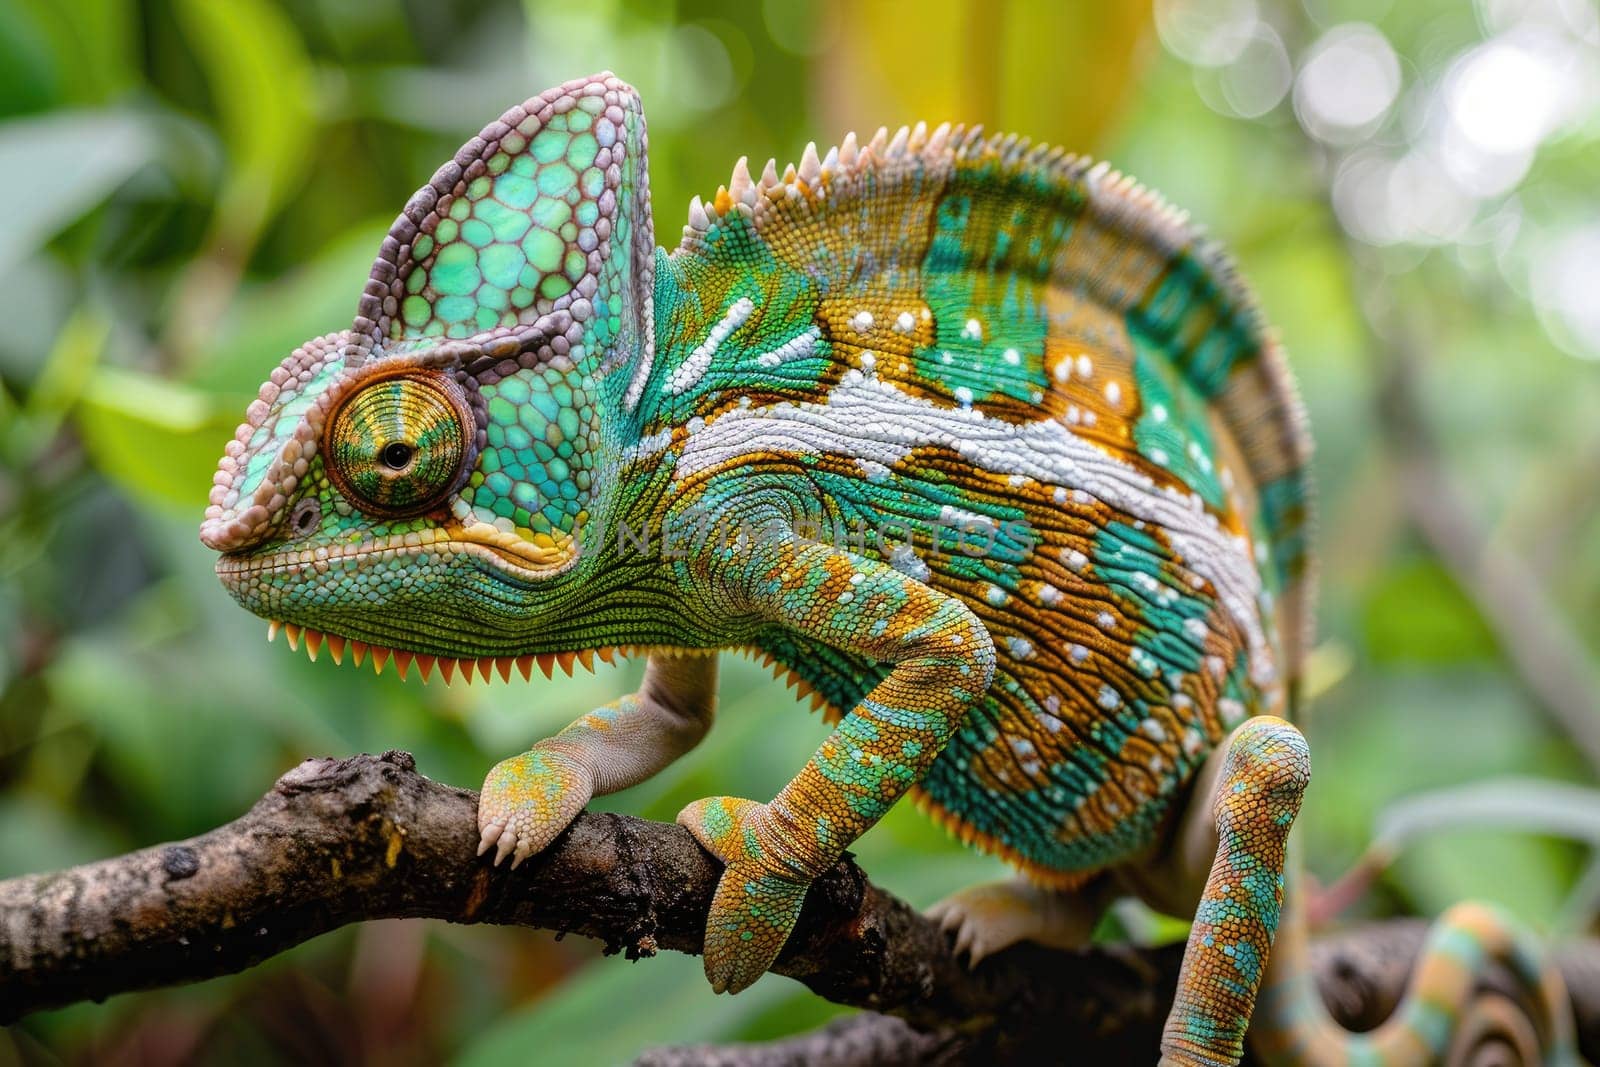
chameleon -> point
(978, 439)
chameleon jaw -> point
(485, 667)
(507, 553)
(313, 641)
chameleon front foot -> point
(529, 799)
(758, 899)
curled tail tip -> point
(1451, 1010)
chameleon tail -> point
(1442, 1018)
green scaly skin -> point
(976, 438)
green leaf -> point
(1523, 806)
(261, 79)
(1417, 612)
(1385, 737)
(611, 1011)
(94, 43)
(268, 321)
(38, 836)
(1529, 876)
(67, 370)
(28, 79)
(1528, 805)
(53, 170)
(158, 440)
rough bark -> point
(341, 841)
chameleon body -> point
(974, 437)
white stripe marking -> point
(799, 347)
(688, 373)
(871, 419)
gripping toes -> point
(985, 919)
(976, 932)
(527, 800)
(757, 901)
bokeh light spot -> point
(1348, 83)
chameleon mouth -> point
(449, 667)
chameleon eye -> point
(397, 445)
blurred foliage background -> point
(198, 185)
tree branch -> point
(341, 841)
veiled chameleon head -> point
(421, 480)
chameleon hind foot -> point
(758, 898)
(984, 919)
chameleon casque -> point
(975, 437)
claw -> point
(489, 835)
(983, 920)
(528, 800)
(507, 845)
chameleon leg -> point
(987, 918)
(529, 799)
(942, 661)
(1257, 795)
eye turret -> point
(399, 443)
